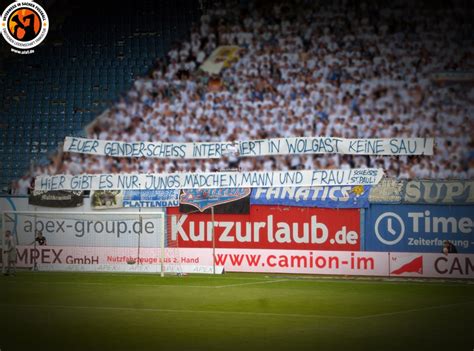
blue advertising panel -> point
(322, 196)
(151, 198)
(222, 200)
(416, 228)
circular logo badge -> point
(24, 24)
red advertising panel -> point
(269, 227)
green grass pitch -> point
(85, 311)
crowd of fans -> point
(305, 69)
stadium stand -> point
(87, 61)
(315, 68)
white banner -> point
(200, 260)
(303, 262)
(251, 148)
(221, 57)
(387, 191)
(366, 176)
(80, 227)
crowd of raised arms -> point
(353, 71)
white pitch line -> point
(306, 279)
(269, 314)
(261, 314)
(251, 283)
(145, 274)
(388, 314)
(121, 284)
(158, 285)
